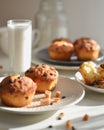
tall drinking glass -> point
(20, 44)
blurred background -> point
(85, 17)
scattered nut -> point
(60, 116)
(85, 117)
(45, 101)
(56, 99)
(68, 125)
(58, 93)
(48, 94)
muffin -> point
(44, 75)
(61, 49)
(89, 73)
(101, 71)
(17, 91)
(86, 49)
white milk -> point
(19, 38)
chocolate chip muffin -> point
(17, 91)
(61, 49)
(86, 49)
(44, 75)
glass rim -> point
(11, 21)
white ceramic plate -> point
(40, 55)
(72, 91)
(80, 79)
(44, 55)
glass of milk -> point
(20, 44)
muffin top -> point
(42, 71)
(86, 43)
(16, 83)
(61, 45)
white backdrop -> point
(86, 18)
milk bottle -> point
(51, 20)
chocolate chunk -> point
(26, 97)
(50, 126)
(45, 75)
(11, 81)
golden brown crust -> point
(87, 43)
(61, 49)
(43, 72)
(44, 75)
(17, 91)
(86, 49)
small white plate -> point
(72, 91)
(80, 79)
